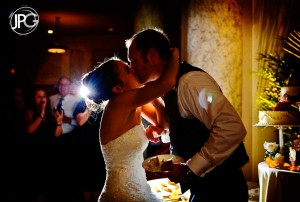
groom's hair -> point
(151, 38)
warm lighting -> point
(56, 47)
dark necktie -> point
(59, 106)
(60, 101)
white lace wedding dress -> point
(126, 178)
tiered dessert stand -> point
(280, 133)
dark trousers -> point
(220, 186)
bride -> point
(123, 138)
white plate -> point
(163, 157)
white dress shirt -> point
(69, 103)
(199, 97)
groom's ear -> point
(117, 89)
(152, 55)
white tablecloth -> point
(278, 185)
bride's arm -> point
(154, 113)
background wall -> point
(214, 42)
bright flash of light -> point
(84, 91)
(210, 98)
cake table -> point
(277, 185)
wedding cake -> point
(286, 111)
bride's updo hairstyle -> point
(101, 80)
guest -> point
(65, 151)
(68, 102)
(123, 138)
(89, 163)
(205, 129)
(41, 128)
(39, 117)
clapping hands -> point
(58, 115)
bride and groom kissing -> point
(204, 127)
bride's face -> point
(127, 76)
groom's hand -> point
(178, 173)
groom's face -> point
(143, 66)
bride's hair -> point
(100, 82)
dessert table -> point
(278, 185)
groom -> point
(205, 129)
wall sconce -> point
(56, 46)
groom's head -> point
(148, 52)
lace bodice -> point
(126, 178)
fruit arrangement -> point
(281, 165)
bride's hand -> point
(153, 133)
